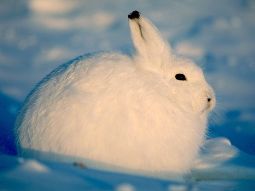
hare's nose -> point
(210, 98)
(211, 102)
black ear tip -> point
(134, 15)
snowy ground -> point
(220, 167)
(38, 35)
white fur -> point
(127, 112)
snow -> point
(221, 166)
(189, 50)
(52, 7)
(125, 187)
(33, 165)
(36, 36)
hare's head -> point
(187, 85)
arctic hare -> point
(144, 113)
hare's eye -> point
(180, 77)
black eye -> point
(180, 77)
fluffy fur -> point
(127, 112)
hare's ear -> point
(152, 50)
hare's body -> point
(115, 110)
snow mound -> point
(221, 160)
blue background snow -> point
(38, 35)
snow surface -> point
(220, 167)
(36, 36)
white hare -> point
(144, 113)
